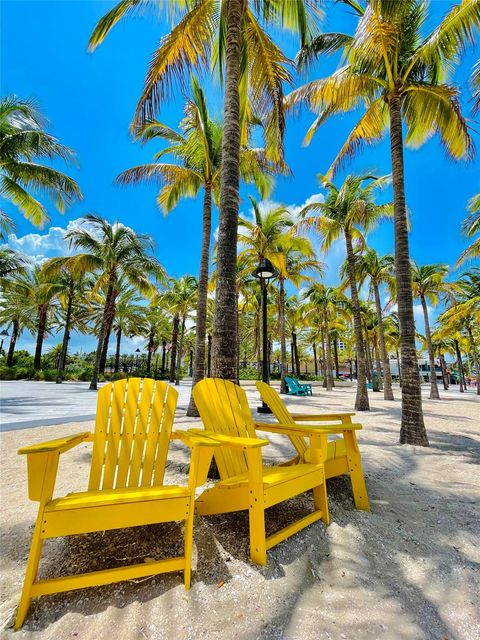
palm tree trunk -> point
(315, 362)
(150, 351)
(328, 359)
(108, 331)
(42, 325)
(173, 351)
(387, 375)
(412, 430)
(399, 368)
(180, 353)
(295, 352)
(323, 360)
(443, 364)
(434, 395)
(13, 341)
(292, 358)
(66, 337)
(473, 348)
(117, 350)
(378, 385)
(101, 335)
(224, 321)
(164, 354)
(202, 297)
(283, 336)
(209, 355)
(361, 401)
(461, 380)
(368, 359)
(335, 355)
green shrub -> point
(50, 375)
(38, 375)
(120, 375)
(86, 374)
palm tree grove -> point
(227, 224)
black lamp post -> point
(264, 272)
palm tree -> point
(349, 211)
(254, 68)
(400, 76)
(17, 314)
(379, 271)
(113, 251)
(156, 329)
(128, 320)
(471, 228)
(23, 142)
(72, 287)
(179, 299)
(12, 262)
(428, 283)
(197, 151)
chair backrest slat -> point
(132, 431)
(281, 413)
(223, 407)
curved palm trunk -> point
(461, 380)
(180, 353)
(224, 321)
(315, 362)
(108, 331)
(412, 430)
(101, 335)
(13, 342)
(66, 337)
(377, 386)
(361, 401)
(202, 296)
(443, 364)
(473, 348)
(434, 395)
(173, 352)
(328, 358)
(42, 326)
(283, 337)
(387, 375)
(117, 350)
(368, 359)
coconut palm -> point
(180, 300)
(470, 229)
(475, 82)
(23, 143)
(156, 328)
(72, 289)
(197, 151)
(113, 251)
(254, 68)
(428, 284)
(379, 271)
(349, 211)
(16, 314)
(129, 318)
(12, 262)
(400, 76)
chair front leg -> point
(359, 488)
(256, 509)
(318, 455)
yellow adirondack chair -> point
(244, 482)
(343, 455)
(133, 428)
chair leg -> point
(30, 573)
(320, 500)
(258, 543)
(188, 544)
(359, 488)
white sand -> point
(408, 570)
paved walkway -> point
(26, 404)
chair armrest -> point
(56, 446)
(231, 441)
(193, 439)
(308, 431)
(313, 417)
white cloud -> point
(39, 247)
(295, 209)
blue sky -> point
(89, 100)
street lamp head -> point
(265, 270)
(137, 351)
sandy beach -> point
(409, 570)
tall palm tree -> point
(16, 313)
(470, 229)
(180, 300)
(379, 271)
(72, 289)
(400, 76)
(112, 251)
(197, 151)
(23, 143)
(349, 211)
(254, 70)
(128, 320)
(428, 283)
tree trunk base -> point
(192, 411)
